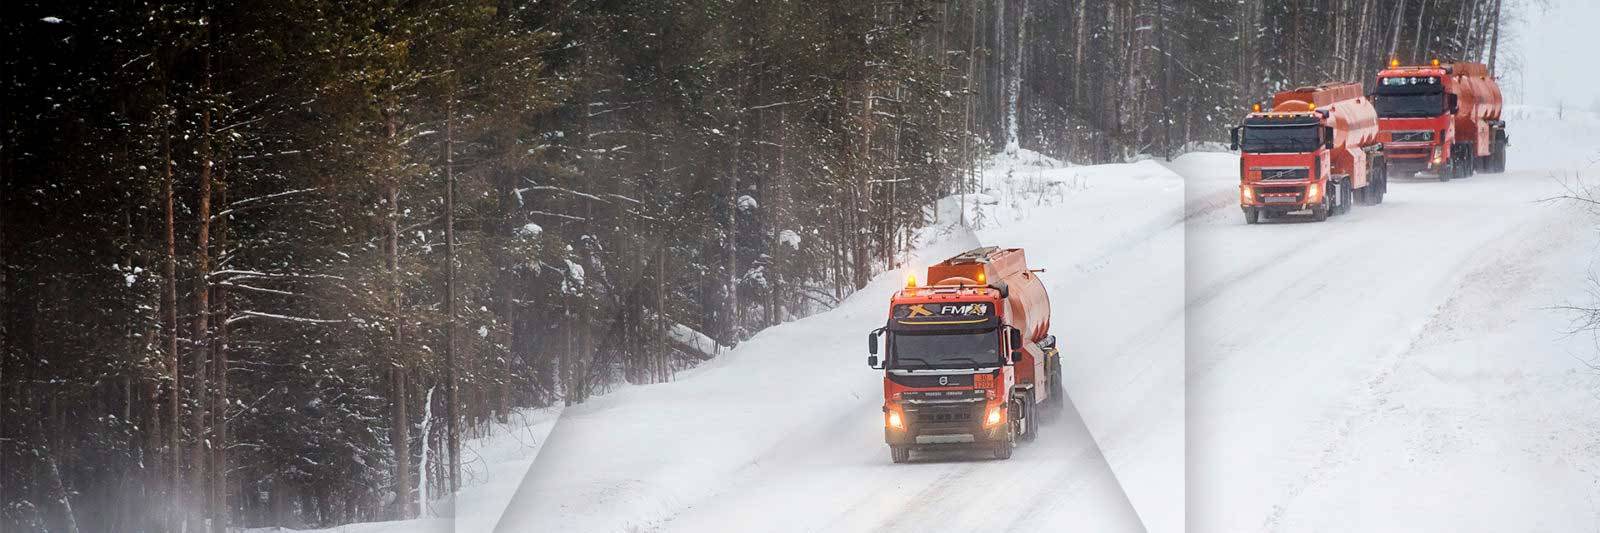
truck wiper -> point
(968, 359)
(925, 363)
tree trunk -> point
(400, 424)
(169, 322)
(452, 410)
(220, 510)
(200, 333)
(1494, 41)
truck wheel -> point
(1058, 391)
(1449, 170)
(1029, 422)
(1252, 215)
(900, 454)
(1002, 450)
(1383, 182)
(1346, 197)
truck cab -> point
(1284, 163)
(960, 366)
(1416, 109)
(1443, 119)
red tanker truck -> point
(969, 359)
(1315, 151)
(1443, 119)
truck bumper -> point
(947, 425)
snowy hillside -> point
(1396, 369)
(1400, 368)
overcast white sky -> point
(1557, 43)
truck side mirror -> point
(1015, 338)
(1455, 104)
(1234, 133)
(872, 361)
(1327, 137)
(872, 343)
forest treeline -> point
(269, 262)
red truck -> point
(969, 358)
(1316, 150)
(1441, 118)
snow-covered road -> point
(785, 434)
(1398, 369)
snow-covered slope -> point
(784, 432)
(1400, 368)
(1396, 369)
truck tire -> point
(1252, 215)
(1030, 420)
(1002, 450)
(900, 454)
(1383, 180)
(1467, 168)
(1347, 196)
(1449, 170)
(1058, 391)
(1320, 213)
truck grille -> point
(1298, 173)
(1412, 136)
(960, 415)
(932, 380)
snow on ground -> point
(1399, 368)
(491, 467)
(784, 433)
(1396, 369)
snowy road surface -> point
(785, 432)
(1397, 369)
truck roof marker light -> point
(1311, 107)
(1394, 62)
(1435, 62)
(911, 281)
(981, 278)
(1255, 108)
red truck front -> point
(1416, 121)
(1284, 163)
(1443, 119)
(961, 367)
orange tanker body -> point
(969, 356)
(1441, 118)
(1316, 151)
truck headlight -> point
(1313, 192)
(994, 417)
(892, 419)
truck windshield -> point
(1409, 105)
(913, 351)
(1279, 139)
